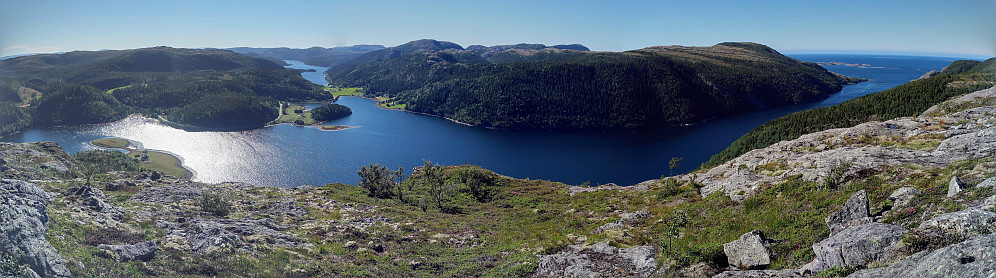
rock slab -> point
(975, 257)
(784, 273)
(142, 251)
(22, 235)
(857, 246)
(599, 260)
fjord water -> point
(286, 155)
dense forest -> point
(522, 87)
(330, 112)
(906, 100)
(315, 56)
(83, 87)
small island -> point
(151, 160)
(301, 116)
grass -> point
(113, 143)
(337, 92)
(164, 163)
(289, 115)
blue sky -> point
(953, 28)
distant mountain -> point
(98, 86)
(315, 56)
(530, 86)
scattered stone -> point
(974, 257)
(415, 264)
(22, 233)
(966, 222)
(854, 213)
(599, 260)
(857, 246)
(350, 244)
(379, 248)
(142, 251)
(625, 220)
(784, 273)
(55, 165)
(955, 186)
(990, 182)
(903, 196)
(751, 251)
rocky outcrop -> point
(22, 234)
(857, 246)
(599, 260)
(202, 235)
(854, 213)
(142, 251)
(751, 251)
(35, 161)
(975, 257)
(955, 186)
(903, 196)
(784, 273)
(816, 156)
(928, 74)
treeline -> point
(906, 100)
(198, 87)
(576, 90)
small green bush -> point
(215, 204)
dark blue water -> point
(286, 155)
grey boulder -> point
(854, 213)
(955, 186)
(751, 251)
(142, 251)
(975, 257)
(857, 246)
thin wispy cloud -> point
(22, 49)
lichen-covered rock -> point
(903, 196)
(142, 251)
(751, 251)
(854, 213)
(975, 257)
(965, 222)
(22, 234)
(857, 246)
(784, 273)
(955, 186)
(599, 260)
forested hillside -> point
(315, 56)
(522, 87)
(84, 87)
(906, 100)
